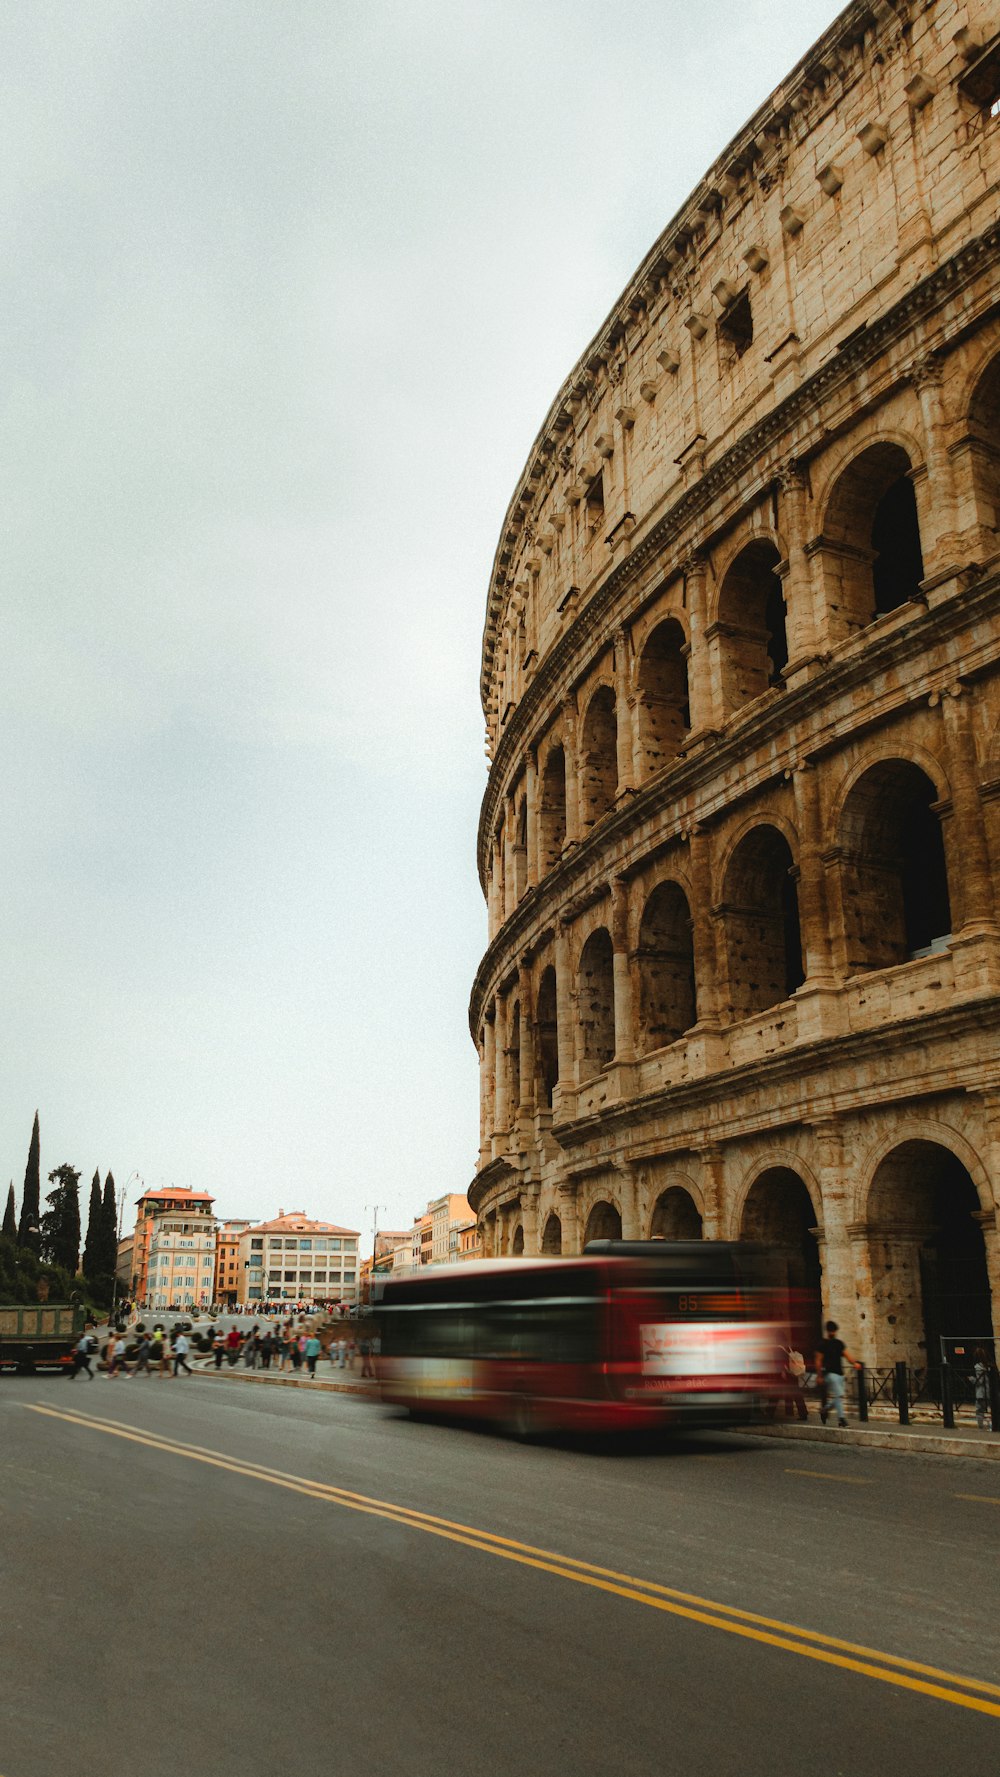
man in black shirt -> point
(830, 1360)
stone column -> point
(497, 889)
(803, 621)
(704, 930)
(839, 1282)
(714, 1218)
(489, 1080)
(897, 1292)
(529, 1222)
(565, 1011)
(527, 1074)
(570, 1219)
(533, 816)
(702, 697)
(569, 727)
(937, 509)
(969, 870)
(509, 864)
(622, 974)
(624, 705)
(501, 1097)
(628, 1186)
(814, 910)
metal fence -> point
(943, 1392)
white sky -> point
(288, 288)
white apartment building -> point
(181, 1259)
(296, 1259)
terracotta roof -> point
(298, 1223)
(180, 1193)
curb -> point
(315, 1386)
(919, 1443)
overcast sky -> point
(288, 289)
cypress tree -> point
(92, 1266)
(109, 1229)
(9, 1216)
(31, 1203)
(61, 1222)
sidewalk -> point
(325, 1384)
(923, 1439)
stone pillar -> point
(970, 879)
(533, 823)
(624, 711)
(527, 1075)
(496, 883)
(529, 1222)
(897, 1292)
(509, 864)
(501, 1098)
(704, 930)
(702, 698)
(489, 1079)
(814, 911)
(565, 1012)
(937, 508)
(628, 1187)
(804, 627)
(714, 1216)
(569, 740)
(622, 973)
(839, 1281)
(570, 1219)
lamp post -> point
(374, 1207)
(118, 1240)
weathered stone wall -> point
(741, 837)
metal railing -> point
(936, 1392)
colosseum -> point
(740, 840)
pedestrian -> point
(142, 1355)
(296, 1345)
(82, 1354)
(830, 1359)
(181, 1349)
(250, 1350)
(981, 1385)
(233, 1342)
(795, 1370)
(218, 1347)
(341, 1353)
(365, 1349)
(111, 1355)
(313, 1349)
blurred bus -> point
(630, 1335)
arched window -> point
(675, 1216)
(779, 1213)
(517, 1243)
(984, 446)
(761, 910)
(546, 1036)
(666, 968)
(893, 870)
(754, 644)
(552, 1237)
(871, 540)
(553, 809)
(663, 713)
(927, 1254)
(603, 1223)
(596, 1003)
(599, 756)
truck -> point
(40, 1336)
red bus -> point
(633, 1334)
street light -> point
(118, 1240)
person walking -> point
(181, 1349)
(142, 1356)
(219, 1347)
(82, 1355)
(232, 1345)
(831, 1357)
(313, 1349)
(981, 1384)
(365, 1349)
(795, 1369)
(111, 1360)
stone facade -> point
(740, 841)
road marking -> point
(819, 1474)
(770, 1631)
(983, 1499)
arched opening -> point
(599, 756)
(927, 1254)
(596, 1003)
(779, 1213)
(521, 848)
(552, 1237)
(517, 1243)
(603, 1223)
(752, 625)
(761, 911)
(893, 868)
(663, 713)
(871, 540)
(675, 1216)
(546, 1036)
(667, 1006)
(984, 445)
(514, 1057)
(553, 810)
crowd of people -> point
(286, 1345)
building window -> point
(736, 324)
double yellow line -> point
(910, 1675)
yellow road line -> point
(819, 1474)
(812, 1645)
(983, 1499)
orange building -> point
(190, 1214)
(227, 1261)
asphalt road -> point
(198, 1577)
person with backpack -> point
(82, 1354)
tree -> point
(10, 1216)
(92, 1251)
(109, 1229)
(61, 1222)
(31, 1203)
